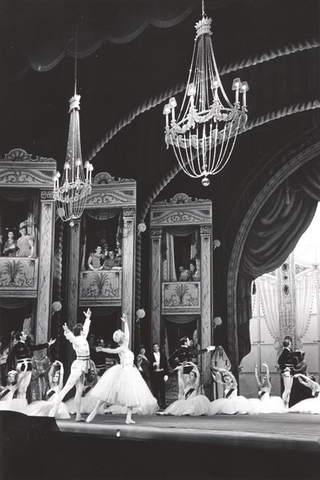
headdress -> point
(118, 334)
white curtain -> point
(169, 271)
(268, 292)
(304, 284)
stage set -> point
(277, 446)
(192, 177)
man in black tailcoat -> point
(158, 374)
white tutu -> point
(194, 405)
(87, 405)
(42, 408)
(14, 404)
(268, 404)
(309, 405)
(123, 385)
(232, 405)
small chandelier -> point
(204, 133)
(72, 193)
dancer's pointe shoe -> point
(80, 419)
(90, 417)
(51, 413)
(128, 422)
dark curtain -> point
(285, 216)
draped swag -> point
(273, 235)
(170, 266)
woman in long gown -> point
(122, 384)
(193, 403)
(232, 403)
(309, 405)
(41, 408)
(266, 403)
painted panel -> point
(18, 274)
(101, 285)
(181, 297)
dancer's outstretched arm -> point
(86, 325)
(256, 375)
(125, 327)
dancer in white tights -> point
(79, 367)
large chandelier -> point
(72, 193)
(204, 132)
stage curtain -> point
(268, 293)
(285, 216)
(180, 319)
(103, 214)
(169, 271)
(14, 303)
(182, 230)
(304, 293)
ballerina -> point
(232, 403)
(309, 405)
(7, 402)
(266, 403)
(193, 403)
(122, 384)
(42, 408)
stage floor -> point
(286, 431)
(222, 447)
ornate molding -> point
(156, 232)
(181, 198)
(129, 212)
(180, 217)
(19, 155)
(205, 230)
(100, 198)
(104, 178)
(46, 195)
(25, 177)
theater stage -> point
(273, 446)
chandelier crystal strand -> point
(72, 193)
(204, 133)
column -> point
(206, 302)
(73, 273)
(155, 300)
(128, 267)
(72, 283)
(45, 262)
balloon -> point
(217, 321)
(140, 313)
(56, 306)
(142, 227)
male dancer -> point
(79, 367)
(21, 353)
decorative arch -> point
(308, 153)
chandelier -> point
(204, 132)
(76, 185)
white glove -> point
(165, 378)
(211, 348)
